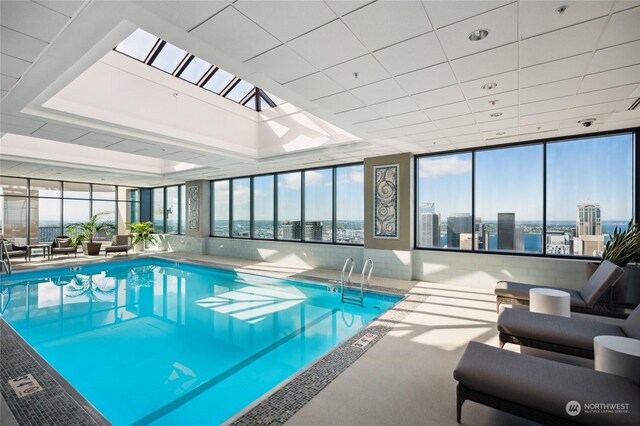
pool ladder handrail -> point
(344, 268)
(364, 280)
(4, 259)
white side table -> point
(550, 301)
(617, 355)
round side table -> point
(617, 355)
(550, 301)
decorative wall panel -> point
(385, 201)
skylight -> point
(165, 56)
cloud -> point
(444, 166)
(290, 181)
(357, 176)
(312, 177)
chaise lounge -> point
(121, 243)
(542, 390)
(584, 300)
(571, 336)
(62, 245)
(14, 250)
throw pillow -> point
(63, 243)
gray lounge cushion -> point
(546, 385)
(62, 242)
(521, 291)
(604, 277)
(631, 326)
(572, 332)
(9, 246)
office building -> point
(506, 231)
(457, 223)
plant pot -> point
(626, 291)
(138, 247)
(91, 249)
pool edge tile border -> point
(58, 399)
(284, 401)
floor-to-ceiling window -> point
(241, 207)
(220, 208)
(349, 219)
(289, 206)
(263, 203)
(168, 209)
(318, 205)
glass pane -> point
(45, 188)
(107, 211)
(444, 201)
(195, 70)
(183, 209)
(128, 194)
(157, 216)
(241, 208)
(13, 222)
(276, 100)
(127, 212)
(104, 192)
(13, 186)
(263, 207)
(74, 211)
(219, 81)
(318, 209)
(589, 193)
(173, 204)
(169, 58)
(289, 206)
(239, 91)
(46, 216)
(251, 103)
(76, 190)
(220, 208)
(350, 204)
(137, 45)
(509, 199)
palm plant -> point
(141, 232)
(87, 231)
(623, 247)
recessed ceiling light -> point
(493, 102)
(478, 35)
(489, 86)
(496, 114)
(500, 133)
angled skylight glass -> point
(168, 58)
(165, 56)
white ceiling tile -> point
(427, 79)
(388, 133)
(461, 120)
(602, 108)
(419, 128)
(625, 4)
(329, 45)
(13, 67)
(538, 17)
(378, 92)
(545, 106)
(130, 146)
(19, 45)
(19, 125)
(540, 127)
(418, 52)
(58, 133)
(465, 139)
(462, 130)
(501, 24)
(544, 117)
(384, 23)
(493, 102)
(444, 12)
(562, 43)
(359, 115)
(373, 125)
(505, 82)
(505, 113)
(235, 35)
(556, 89)
(314, 86)
(32, 19)
(339, 102)
(97, 140)
(342, 7)
(492, 126)
(613, 78)
(494, 61)
(6, 82)
(556, 70)
(282, 64)
(286, 19)
(615, 57)
(395, 107)
(443, 96)
(607, 95)
(186, 14)
(622, 27)
(407, 119)
(446, 111)
(66, 7)
(367, 67)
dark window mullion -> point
(183, 65)
(154, 53)
(230, 208)
(266, 97)
(233, 83)
(303, 224)
(207, 76)
(544, 199)
(251, 208)
(275, 206)
(334, 208)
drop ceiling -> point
(400, 75)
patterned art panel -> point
(193, 212)
(385, 201)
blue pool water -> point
(152, 342)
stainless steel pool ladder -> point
(4, 259)
(367, 269)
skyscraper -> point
(293, 230)
(506, 231)
(427, 208)
(429, 235)
(457, 223)
(588, 222)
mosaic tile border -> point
(281, 404)
(57, 404)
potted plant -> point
(141, 234)
(85, 232)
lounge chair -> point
(584, 300)
(15, 250)
(572, 336)
(542, 390)
(121, 243)
(62, 245)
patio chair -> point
(121, 243)
(62, 245)
(584, 300)
(15, 250)
(541, 389)
(571, 336)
